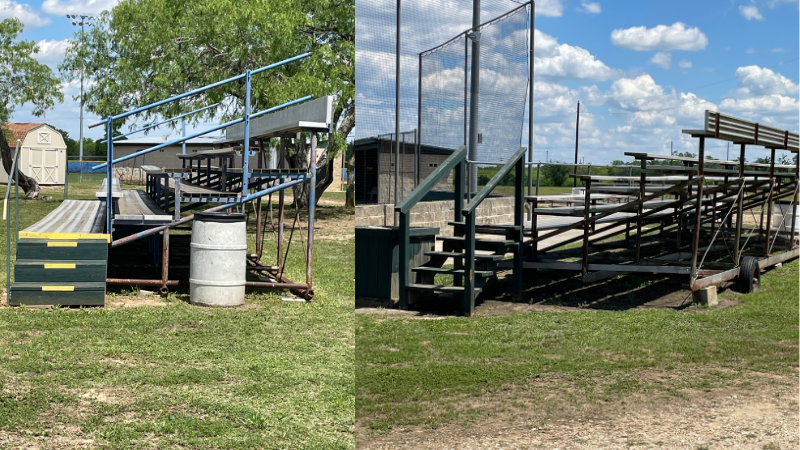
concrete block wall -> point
(493, 211)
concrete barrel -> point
(218, 259)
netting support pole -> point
(474, 100)
(530, 110)
(397, 116)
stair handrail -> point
(495, 181)
(457, 160)
(457, 157)
(7, 217)
(517, 162)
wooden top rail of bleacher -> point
(654, 156)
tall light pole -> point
(87, 21)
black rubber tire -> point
(749, 275)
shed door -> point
(43, 165)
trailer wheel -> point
(749, 275)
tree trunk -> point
(350, 197)
(302, 158)
(28, 184)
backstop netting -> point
(444, 93)
(427, 25)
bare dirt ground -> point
(759, 411)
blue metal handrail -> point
(199, 133)
(116, 138)
(110, 161)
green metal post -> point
(459, 192)
(468, 301)
(518, 221)
(403, 242)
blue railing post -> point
(183, 133)
(7, 212)
(312, 199)
(109, 173)
(246, 154)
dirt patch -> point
(133, 301)
(759, 411)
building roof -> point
(21, 129)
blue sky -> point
(642, 70)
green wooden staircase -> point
(476, 260)
(489, 253)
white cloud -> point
(62, 7)
(674, 37)
(777, 50)
(766, 103)
(590, 7)
(566, 61)
(549, 8)
(750, 12)
(751, 50)
(10, 9)
(662, 59)
(685, 64)
(763, 81)
(52, 52)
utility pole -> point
(88, 21)
(577, 128)
(474, 101)
(397, 118)
(670, 148)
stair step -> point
(443, 271)
(480, 244)
(57, 293)
(459, 255)
(439, 288)
(60, 271)
(487, 227)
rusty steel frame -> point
(752, 193)
(304, 290)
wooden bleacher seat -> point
(137, 208)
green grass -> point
(424, 372)
(268, 375)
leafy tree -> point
(556, 174)
(149, 50)
(22, 80)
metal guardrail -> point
(110, 161)
(517, 163)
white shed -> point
(43, 153)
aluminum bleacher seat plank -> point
(137, 208)
(73, 219)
